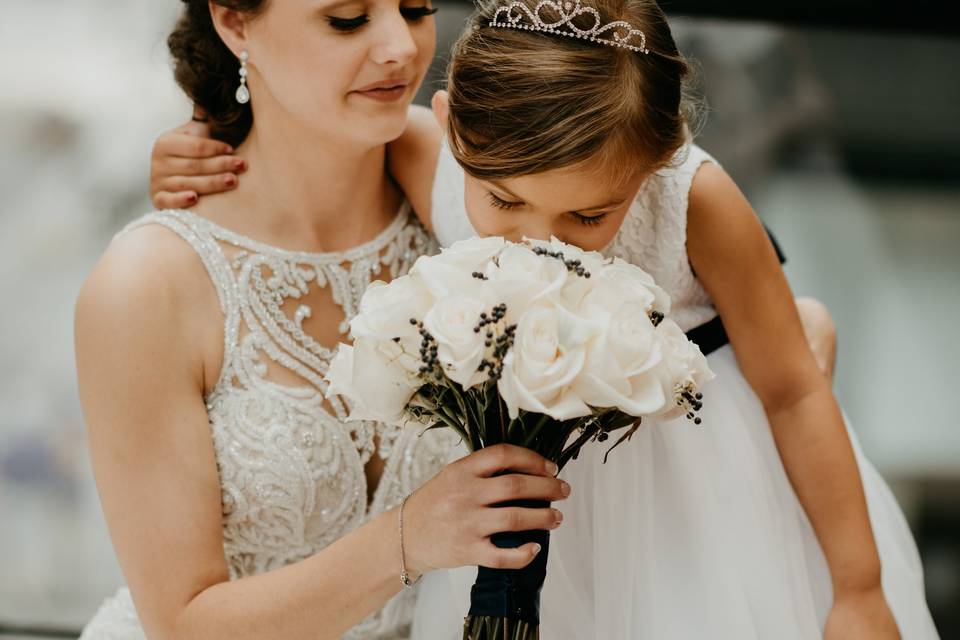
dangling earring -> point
(243, 94)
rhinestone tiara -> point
(516, 15)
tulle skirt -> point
(693, 532)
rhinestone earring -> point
(243, 94)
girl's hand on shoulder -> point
(187, 163)
(861, 615)
(448, 522)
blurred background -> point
(840, 120)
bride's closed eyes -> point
(349, 25)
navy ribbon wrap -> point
(513, 593)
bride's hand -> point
(187, 163)
(861, 615)
(448, 522)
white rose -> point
(589, 260)
(521, 279)
(386, 309)
(683, 363)
(451, 271)
(620, 370)
(620, 281)
(547, 356)
(371, 376)
(575, 286)
(451, 322)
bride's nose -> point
(395, 43)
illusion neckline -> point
(366, 248)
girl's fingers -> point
(494, 557)
(188, 145)
(201, 185)
(204, 166)
(520, 519)
(181, 200)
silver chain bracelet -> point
(404, 576)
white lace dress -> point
(687, 532)
(291, 469)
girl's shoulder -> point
(669, 188)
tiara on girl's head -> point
(622, 34)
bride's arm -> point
(142, 327)
(730, 251)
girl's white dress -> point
(687, 532)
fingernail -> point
(228, 149)
(564, 488)
(230, 181)
(536, 549)
(192, 198)
(239, 165)
(552, 468)
(559, 517)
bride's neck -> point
(311, 193)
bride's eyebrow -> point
(327, 7)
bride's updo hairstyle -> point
(524, 102)
(208, 71)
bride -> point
(239, 501)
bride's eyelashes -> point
(589, 221)
(348, 25)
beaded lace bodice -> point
(653, 235)
(292, 470)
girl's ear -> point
(441, 107)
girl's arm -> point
(412, 161)
(144, 362)
(187, 164)
(737, 265)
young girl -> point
(754, 525)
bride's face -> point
(575, 205)
(347, 69)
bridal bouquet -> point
(537, 344)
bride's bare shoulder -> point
(148, 278)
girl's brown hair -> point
(526, 102)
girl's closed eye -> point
(590, 221)
(411, 14)
(500, 203)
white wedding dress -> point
(291, 470)
(687, 532)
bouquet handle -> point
(508, 598)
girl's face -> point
(345, 69)
(575, 204)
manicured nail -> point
(192, 198)
(228, 149)
(239, 165)
(552, 468)
(564, 488)
(536, 549)
(230, 181)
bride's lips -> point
(386, 90)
